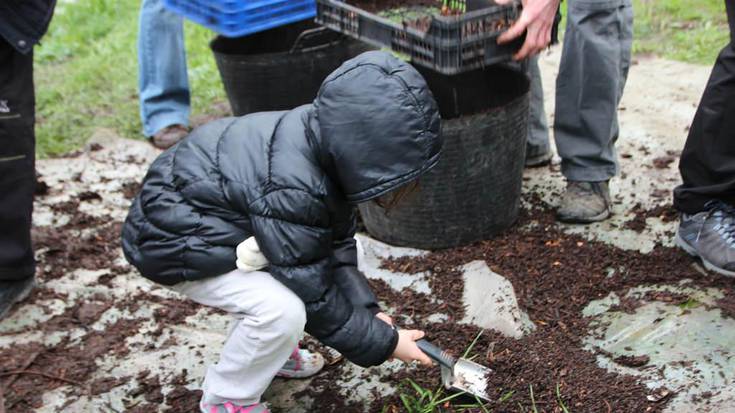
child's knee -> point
(295, 313)
(286, 314)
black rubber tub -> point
(281, 68)
(474, 191)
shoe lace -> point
(724, 216)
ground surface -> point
(606, 317)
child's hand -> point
(407, 351)
(385, 317)
(249, 257)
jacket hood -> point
(378, 125)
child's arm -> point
(298, 245)
(351, 281)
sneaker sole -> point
(539, 161)
(693, 252)
(576, 220)
(297, 375)
(18, 299)
(301, 374)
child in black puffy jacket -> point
(287, 182)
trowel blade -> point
(469, 377)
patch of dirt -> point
(149, 387)
(130, 189)
(89, 196)
(442, 279)
(665, 212)
(34, 369)
(632, 361)
(85, 242)
(555, 276)
(726, 304)
(42, 188)
(663, 162)
(106, 384)
(183, 400)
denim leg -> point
(163, 82)
(594, 67)
(538, 130)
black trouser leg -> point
(17, 162)
(707, 163)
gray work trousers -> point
(594, 66)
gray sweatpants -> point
(592, 73)
(268, 320)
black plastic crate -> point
(446, 44)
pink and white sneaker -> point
(301, 364)
(229, 407)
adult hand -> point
(538, 19)
(407, 350)
(385, 317)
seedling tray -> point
(448, 44)
(235, 18)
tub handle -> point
(305, 36)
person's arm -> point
(297, 242)
(537, 19)
(351, 281)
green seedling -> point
(559, 400)
(416, 399)
(533, 400)
(423, 400)
(689, 304)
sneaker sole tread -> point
(681, 243)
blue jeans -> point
(162, 78)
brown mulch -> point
(555, 276)
(665, 212)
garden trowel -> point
(459, 373)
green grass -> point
(692, 31)
(688, 30)
(86, 74)
(417, 399)
(86, 68)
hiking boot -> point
(169, 136)
(301, 364)
(585, 202)
(710, 235)
(535, 159)
(12, 292)
(229, 407)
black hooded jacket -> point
(291, 179)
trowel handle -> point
(436, 353)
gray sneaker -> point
(710, 235)
(584, 202)
(12, 292)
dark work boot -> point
(585, 202)
(710, 235)
(169, 136)
(12, 292)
